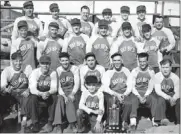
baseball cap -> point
(141, 8)
(22, 23)
(125, 9)
(103, 23)
(45, 59)
(28, 3)
(126, 25)
(146, 28)
(75, 21)
(54, 24)
(16, 55)
(91, 79)
(107, 11)
(53, 5)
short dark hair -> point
(115, 54)
(91, 79)
(84, 7)
(142, 55)
(64, 54)
(90, 54)
(165, 61)
(16, 55)
(159, 16)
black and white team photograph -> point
(90, 66)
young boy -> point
(91, 105)
(75, 44)
(52, 46)
(26, 45)
(151, 46)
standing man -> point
(167, 88)
(64, 25)
(127, 47)
(151, 46)
(35, 27)
(86, 25)
(14, 81)
(164, 35)
(91, 68)
(43, 88)
(100, 45)
(52, 46)
(69, 81)
(107, 16)
(25, 44)
(141, 12)
(75, 44)
(142, 87)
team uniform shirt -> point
(166, 87)
(64, 26)
(152, 48)
(166, 38)
(112, 29)
(51, 48)
(86, 27)
(128, 48)
(35, 27)
(90, 102)
(86, 71)
(100, 46)
(68, 80)
(142, 81)
(138, 27)
(76, 47)
(117, 81)
(27, 48)
(40, 82)
(17, 80)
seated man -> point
(91, 105)
(43, 88)
(116, 83)
(14, 81)
(167, 88)
(91, 68)
(68, 76)
(142, 87)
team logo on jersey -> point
(118, 80)
(127, 49)
(52, 49)
(150, 46)
(142, 80)
(66, 79)
(44, 83)
(26, 47)
(92, 102)
(167, 86)
(101, 46)
(76, 44)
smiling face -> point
(28, 10)
(55, 13)
(65, 62)
(159, 23)
(125, 15)
(85, 14)
(23, 31)
(92, 88)
(143, 62)
(17, 63)
(91, 62)
(103, 30)
(141, 15)
(107, 16)
(147, 35)
(117, 62)
(53, 31)
(127, 32)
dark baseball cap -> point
(125, 9)
(103, 23)
(75, 21)
(146, 28)
(45, 59)
(126, 25)
(53, 5)
(141, 8)
(28, 3)
(54, 24)
(91, 79)
(16, 55)
(107, 11)
(22, 23)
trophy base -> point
(113, 129)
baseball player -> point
(52, 46)
(91, 105)
(166, 86)
(100, 45)
(43, 89)
(35, 27)
(69, 81)
(91, 68)
(86, 25)
(75, 44)
(25, 44)
(14, 81)
(165, 35)
(64, 25)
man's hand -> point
(121, 98)
(172, 101)
(65, 99)
(45, 95)
(71, 97)
(25, 93)
(98, 112)
(98, 128)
